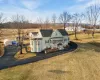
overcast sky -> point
(32, 9)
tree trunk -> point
(20, 40)
(64, 26)
(93, 32)
(21, 47)
(75, 34)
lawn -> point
(81, 64)
(25, 55)
(1, 48)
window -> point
(37, 42)
(50, 41)
(56, 41)
(46, 41)
(65, 39)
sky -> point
(33, 9)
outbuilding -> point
(48, 39)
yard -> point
(1, 48)
(82, 64)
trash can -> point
(14, 43)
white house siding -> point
(56, 33)
(35, 36)
(66, 40)
(31, 46)
(56, 41)
(39, 46)
(46, 42)
(39, 43)
(56, 38)
(34, 43)
(70, 28)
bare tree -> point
(46, 23)
(54, 18)
(92, 16)
(76, 19)
(19, 22)
(40, 22)
(1, 32)
(64, 18)
(2, 19)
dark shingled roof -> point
(63, 32)
(34, 33)
(46, 32)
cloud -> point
(28, 4)
(31, 4)
(92, 2)
(29, 8)
(21, 7)
(7, 1)
(79, 8)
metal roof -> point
(46, 32)
(63, 32)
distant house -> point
(44, 39)
(8, 42)
(70, 28)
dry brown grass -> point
(1, 48)
(82, 64)
(25, 55)
(12, 33)
(83, 38)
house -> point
(70, 28)
(7, 42)
(48, 39)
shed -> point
(48, 39)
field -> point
(81, 64)
(12, 33)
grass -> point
(25, 55)
(70, 32)
(86, 38)
(1, 49)
(82, 64)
